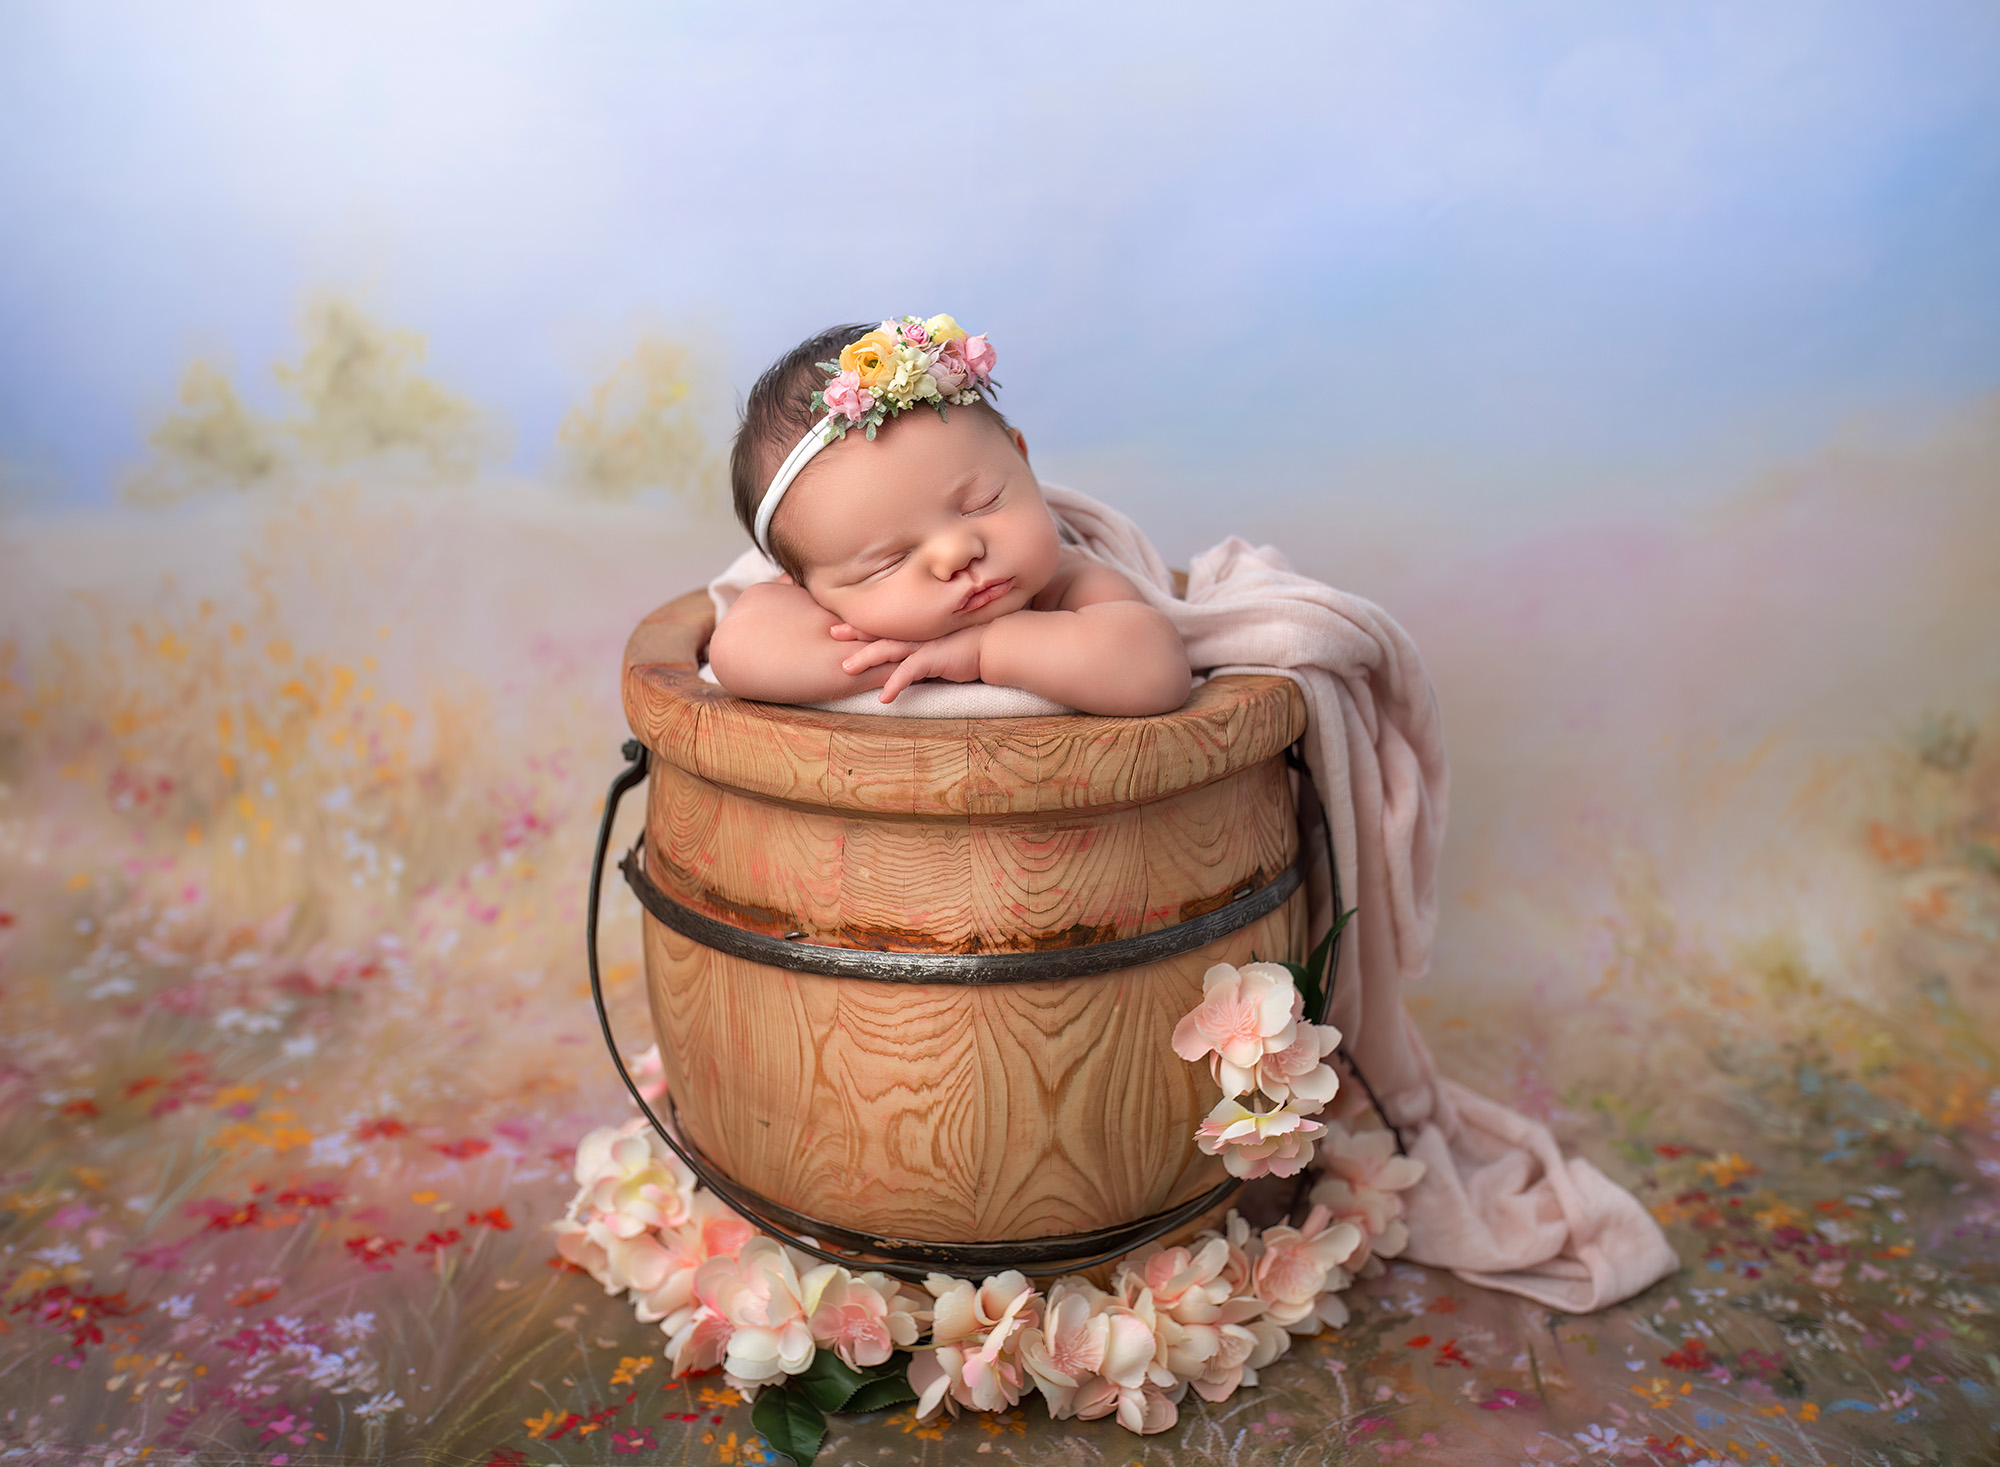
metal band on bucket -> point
(1248, 904)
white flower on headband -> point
(898, 365)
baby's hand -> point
(877, 651)
(955, 658)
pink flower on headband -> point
(915, 334)
(846, 396)
(950, 368)
(979, 356)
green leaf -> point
(894, 1368)
(793, 1426)
(879, 1395)
(828, 1381)
(1315, 979)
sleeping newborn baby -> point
(921, 546)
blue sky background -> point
(1492, 257)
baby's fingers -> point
(840, 631)
(911, 669)
(874, 655)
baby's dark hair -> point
(777, 414)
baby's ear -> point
(1020, 441)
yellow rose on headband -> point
(941, 329)
(872, 359)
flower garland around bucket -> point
(802, 1338)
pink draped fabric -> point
(1499, 1204)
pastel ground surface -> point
(296, 1043)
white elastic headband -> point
(802, 454)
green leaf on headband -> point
(793, 1425)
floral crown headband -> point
(889, 370)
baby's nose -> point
(955, 551)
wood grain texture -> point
(948, 1112)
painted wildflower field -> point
(297, 1051)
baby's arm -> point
(1100, 650)
(776, 646)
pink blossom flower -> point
(629, 1186)
(758, 1293)
(1296, 1070)
(1134, 1379)
(1244, 1014)
(1187, 1285)
(914, 333)
(1369, 1159)
(862, 1319)
(700, 1343)
(1067, 1348)
(1245, 1350)
(1365, 1179)
(712, 1230)
(1299, 1265)
(1143, 1409)
(630, 1180)
(979, 356)
(846, 397)
(977, 1360)
(1181, 1295)
(1277, 1143)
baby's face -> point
(935, 526)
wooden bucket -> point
(1000, 1087)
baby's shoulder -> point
(1080, 581)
